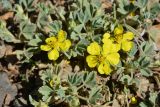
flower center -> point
(118, 38)
(101, 58)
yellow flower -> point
(54, 81)
(102, 57)
(54, 45)
(133, 100)
(132, 1)
(124, 40)
(118, 30)
(132, 13)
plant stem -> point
(80, 97)
(80, 86)
(114, 10)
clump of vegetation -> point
(82, 53)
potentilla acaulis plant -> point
(86, 53)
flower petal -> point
(115, 47)
(104, 69)
(127, 45)
(91, 61)
(51, 40)
(128, 36)
(53, 54)
(113, 58)
(61, 35)
(105, 37)
(118, 30)
(110, 47)
(45, 47)
(94, 49)
(65, 45)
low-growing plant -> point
(91, 57)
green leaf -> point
(148, 48)
(126, 79)
(155, 9)
(98, 22)
(81, 46)
(130, 28)
(27, 29)
(143, 104)
(46, 75)
(75, 79)
(73, 101)
(28, 4)
(141, 3)
(36, 41)
(146, 72)
(61, 12)
(133, 51)
(89, 79)
(74, 36)
(96, 3)
(94, 94)
(122, 6)
(60, 92)
(153, 97)
(144, 61)
(45, 91)
(5, 34)
(6, 4)
(78, 28)
(55, 26)
(32, 101)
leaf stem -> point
(114, 10)
(80, 86)
(80, 97)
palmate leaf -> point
(94, 95)
(75, 79)
(36, 40)
(27, 4)
(73, 101)
(146, 72)
(141, 3)
(27, 29)
(6, 4)
(89, 79)
(55, 26)
(153, 97)
(45, 91)
(5, 34)
(133, 51)
(155, 10)
(126, 79)
(122, 6)
(60, 92)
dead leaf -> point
(115, 103)
(156, 31)
(66, 69)
(9, 50)
(76, 68)
(7, 90)
(106, 4)
(2, 49)
(6, 16)
(13, 69)
(121, 99)
(144, 84)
